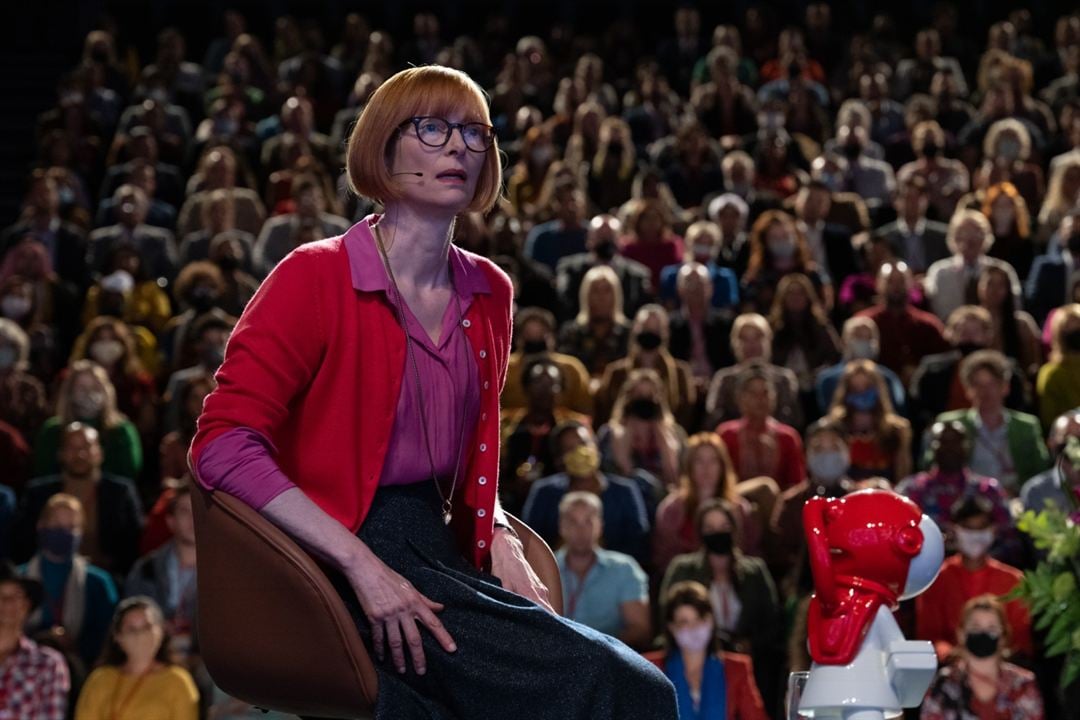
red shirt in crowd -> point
(906, 337)
(776, 453)
(937, 611)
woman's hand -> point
(508, 563)
(394, 607)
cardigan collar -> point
(369, 274)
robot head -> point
(875, 538)
(925, 566)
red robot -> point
(867, 550)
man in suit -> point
(911, 237)
(159, 214)
(1051, 279)
(830, 244)
(1008, 444)
(40, 217)
(601, 248)
(703, 245)
(156, 247)
(280, 233)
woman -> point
(706, 473)
(740, 590)
(136, 679)
(1007, 150)
(650, 239)
(527, 177)
(87, 395)
(23, 402)
(136, 298)
(979, 683)
(1015, 331)
(358, 483)
(777, 248)
(642, 432)
(1009, 217)
(710, 684)
(21, 303)
(110, 343)
(600, 333)
(879, 439)
(612, 168)
(174, 446)
(1058, 384)
(1062, 195)
(650, 340)
(804, 340)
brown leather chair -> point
(273, 631)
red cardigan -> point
(315, 366)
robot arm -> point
(911, 665)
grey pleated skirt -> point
(514, 659)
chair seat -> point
(273, 630)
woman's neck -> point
(693, 661)
(417, 244)
(986, 667)
(139, 666)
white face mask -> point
(827, 466)
(862, 349)
(106, 352)
(694, 639)
(974, 544)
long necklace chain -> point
(447, 501)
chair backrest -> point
(273, 630)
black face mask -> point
(852, 150)
(968, 348)
(718, 543)
(1071, 340)
(643, 409)
(615, 148)
(203, 298)
(532, 347)
(605, 250)
(228, 263)
(649, 340)
(981, 644)
(931, 150)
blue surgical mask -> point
(865, 401)
(59, 542)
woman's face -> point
(983, 621)
(705, 468)
(650, 223)
(601, 299)
(449, 192)
(686, 617)
(140, 635)
(1002, 214)
(751, 343)
(993, 289)
(796, 300)
(86, 384)
(715, 521)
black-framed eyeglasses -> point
(435, 132)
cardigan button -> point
(482, 480)
(483, 416)
(481, 544)
(466, 323)
(483, 354)
(481, 513)
(486, 384)
(483, 447)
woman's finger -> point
(414, 642)
(377, 640)
(437, 629)
(393, 639)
